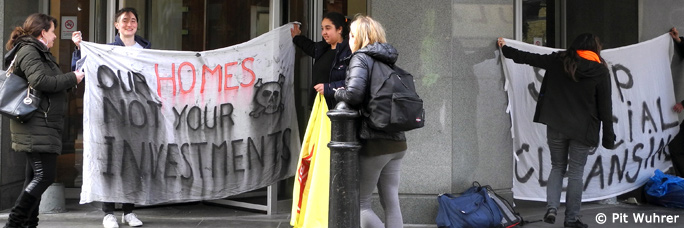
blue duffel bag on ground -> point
(665, 190)
(474, 208)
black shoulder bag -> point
(18, 100)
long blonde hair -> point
(366, 31)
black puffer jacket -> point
(574, 108)
(356, 92)
(43, 132)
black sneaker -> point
(550, 216)
(576, 224)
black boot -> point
(21, 210)
(550, 216)
(32, 221)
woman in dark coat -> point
(574, 101)
(328, 70)
(39, 138)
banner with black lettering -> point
(643, 96)
(179, 126)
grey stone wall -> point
(449, 46)
(657, 18)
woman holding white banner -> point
(574, 99)
(676, 146)
(329, 70)
(677, 40)
(126, 22)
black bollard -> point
(343, 210)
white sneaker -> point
(131, 219)
(109, 221)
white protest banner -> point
(179, 126)
(642, 94)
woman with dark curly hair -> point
(328, 70)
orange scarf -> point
(589, 55)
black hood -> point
(383, 52)
(587, 68)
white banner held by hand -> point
(179, 126)
(642, 94)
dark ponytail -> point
(33, 26)
(585, 41)
(339, 20)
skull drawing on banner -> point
(268, 97)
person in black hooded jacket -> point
(574, 100)
(676, 146)
(381, 152)
(39, 138)
(126, 22)
(328, 70)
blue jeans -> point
(571, 155)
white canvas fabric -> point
(179, 126)
(643, 96)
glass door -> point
(72, 15)
(539, 22)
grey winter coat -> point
(43, 132)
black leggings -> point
(108, 207)
(40, 172)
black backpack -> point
(393, 105)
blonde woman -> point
(382, 152)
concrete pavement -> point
(616, 215)
(211, 215)
(176, 215)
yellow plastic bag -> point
(312, 180)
